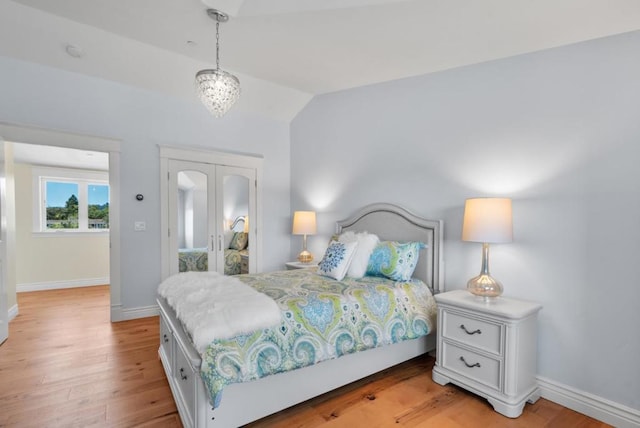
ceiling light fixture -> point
(217, 89)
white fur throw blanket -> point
(214, 306)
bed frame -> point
(246, 402)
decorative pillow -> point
(337, 258)
(239, 241)
(395, 260)
(334, 237)
(366, 244)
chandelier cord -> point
(217, 44)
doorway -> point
(50, 139)
(62, 217)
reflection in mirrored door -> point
(233, 207)
(192, 225)
(234, 190)
(190, 203)
(210, 211)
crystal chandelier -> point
(217, 89)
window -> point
(98, 199)
(70, 200)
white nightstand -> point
(488, 348)
(299, 265)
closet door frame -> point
(200, 155)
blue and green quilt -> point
(322, 319)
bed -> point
(244, 402)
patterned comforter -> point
(322, 319)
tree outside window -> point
(62, 215)
(74, 204)
(98, 206)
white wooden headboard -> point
(393, 223)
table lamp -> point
(304, 223)
(489, 221)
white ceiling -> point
(61, 157)
(297, 48)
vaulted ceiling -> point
(290, 50)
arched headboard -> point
(393, 223)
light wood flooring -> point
(66, 365)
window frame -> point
(83, 178)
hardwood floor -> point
(66, 365)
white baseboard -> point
(13, 312)
(588, 404)
(116, 313)
(119, 314)
(55, 285)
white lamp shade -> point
(304, 223)
(487, 220)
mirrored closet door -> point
(193, 231)
(234, 192)
(211, 217)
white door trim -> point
(4, 225)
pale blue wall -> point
(49, 98)
(559, 132)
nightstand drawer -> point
(473, 332)
(474, 366)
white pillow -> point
(336, 259)
(366, 244)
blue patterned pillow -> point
(395, 260)
(337, 258)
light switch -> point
(139, 225)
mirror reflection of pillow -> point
(239, 241)
(228, 236)
(366, 244)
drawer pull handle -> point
(469, 365)
(478, 331)
(166, 339)
(184, 376)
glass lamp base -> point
(484, 286)
(305, 257)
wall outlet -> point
(139, 225)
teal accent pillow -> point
(395, 260)
(336, 260)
